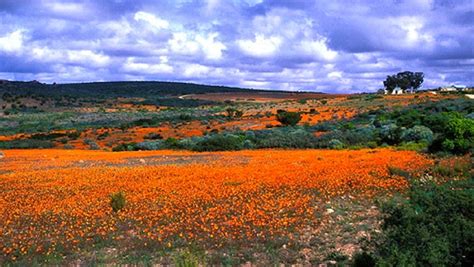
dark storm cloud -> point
(328, 45)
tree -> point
(405, 80)
(234, 113)
(288, 118)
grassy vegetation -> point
(422, 127)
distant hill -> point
(114, 89)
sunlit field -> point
(57, 202)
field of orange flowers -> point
(57, 202)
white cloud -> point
(261, 46)
(255, 84)
(335, 75)
(195, 70)
(86, 58)
(318, 49)
(181, 44)
(212, 4)
(12, 42)
(413, 28)
(211, 48)
(156, 22)
(65, 8)
(147, 68)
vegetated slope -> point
(114, 89)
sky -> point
(339, 46)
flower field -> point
(57, 202)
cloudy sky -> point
(320, 45)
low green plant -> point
(186, 258)
(434, 226)
(399, 172)
(288, 118)
(118, 201)
(363, 259)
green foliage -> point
(456, 134)
(187, 258)
(288, 118)
(113, 89)
(124, 147)
(404, 80)
(399, 172)
(417, 133)
(459, 169)
(234, 113)
(26, 144)
(153, 136)
(288, 137)
(391, 134)
(219, 142)
(335, 144)
(434, 227)
(421, 147)
(117, 201)
(363, 259)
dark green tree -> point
(288, 118)
(405, 80)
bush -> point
(124, 147)
(153, 136)
(117, 201)
(417, 133)
(26, 144)
(390, 134)
(413, 146)
(456, 134)
(399, 172)
(336, 144)
(288, 118)
(219, 142)
(234, 113)
(434, 227)
(363, 259)
(285, 138)
(94, 146)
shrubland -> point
(443, 126)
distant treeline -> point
(114, 89)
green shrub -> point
(26, 144)
(399, 172)
(283, 138)
(234, 113)
(117, 201)
(460, 169)
(336, 144)
(390, 134)
(153, 136)
(433, 227)
(456, 134)
(219, 142)
(187, 258)
(413, 146)
(124, 147)
(288, 118)
(363, 259)
(417, 133)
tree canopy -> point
(405, 80)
